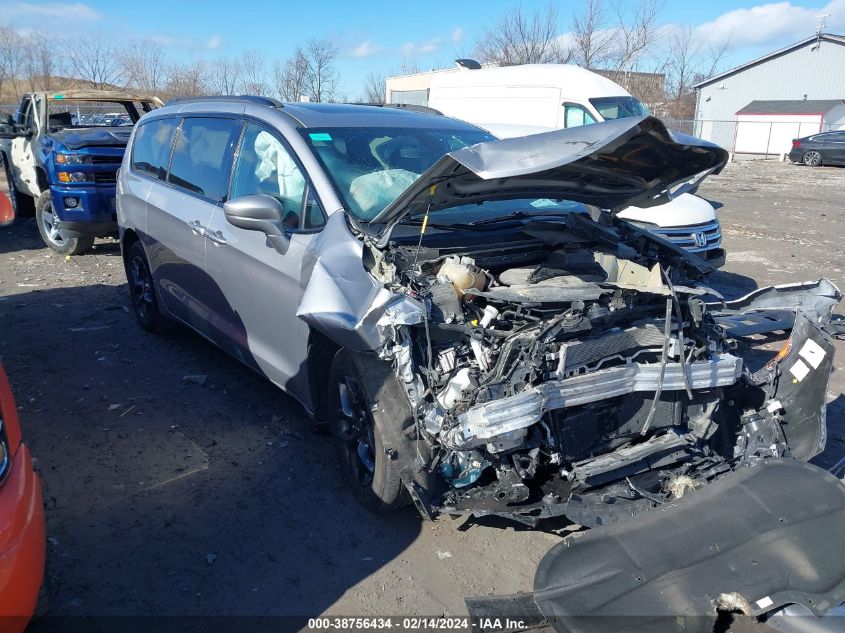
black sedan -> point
(826, 148)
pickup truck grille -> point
(100, 160)
(107, 177)
(696, 238)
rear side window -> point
(201, 156)
(151, 147)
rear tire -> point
(369, 464)
(23, 204)
(52, 234)
(142, 291)
(812, 158)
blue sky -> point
(375, 36)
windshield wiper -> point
(520, 215)
(437, 225)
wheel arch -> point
(127, 239)
(41, 180)
(321, 353)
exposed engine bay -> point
(567, 363)
(574, 371)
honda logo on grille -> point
(700, 239)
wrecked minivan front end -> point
(567, 363)
(553, 360)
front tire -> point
(360, 423)
(52, 235)
(142, 290)
(812, 158)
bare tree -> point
(94, 59)
(635, 33)
(688, 63)
(11, 58)
(289, 77)
(523, 38)
(144, 66)
(409, 66)
(187, 80)
(374, 88)
(592, 36)
(321, 77)
(39, 62)
(253, 79)
(226, 76)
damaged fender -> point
(340, 298)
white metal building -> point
(768, 127)
(812, 69)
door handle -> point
(215, 236)
(198, 228)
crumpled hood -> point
(612, 165)
(93, 137)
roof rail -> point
(266, 101)
(407, 106)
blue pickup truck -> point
(61, 152)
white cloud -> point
(457, 35)
(213, 42)
(778, 23)
(51, 10)
(410, 49)
(365, 49)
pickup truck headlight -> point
(74, 176)
(73, 159)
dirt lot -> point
(171, 497)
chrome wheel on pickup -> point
(51, 232)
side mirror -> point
(259, 213)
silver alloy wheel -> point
(812, 158)
(51, 230)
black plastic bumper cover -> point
(771, 533)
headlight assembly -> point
(73, 159)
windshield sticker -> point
(543, 203)
(320, 136)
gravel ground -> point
(171, 497)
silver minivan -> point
(484, 336)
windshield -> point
(619, 107)
(65, 113)
(370, 166)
